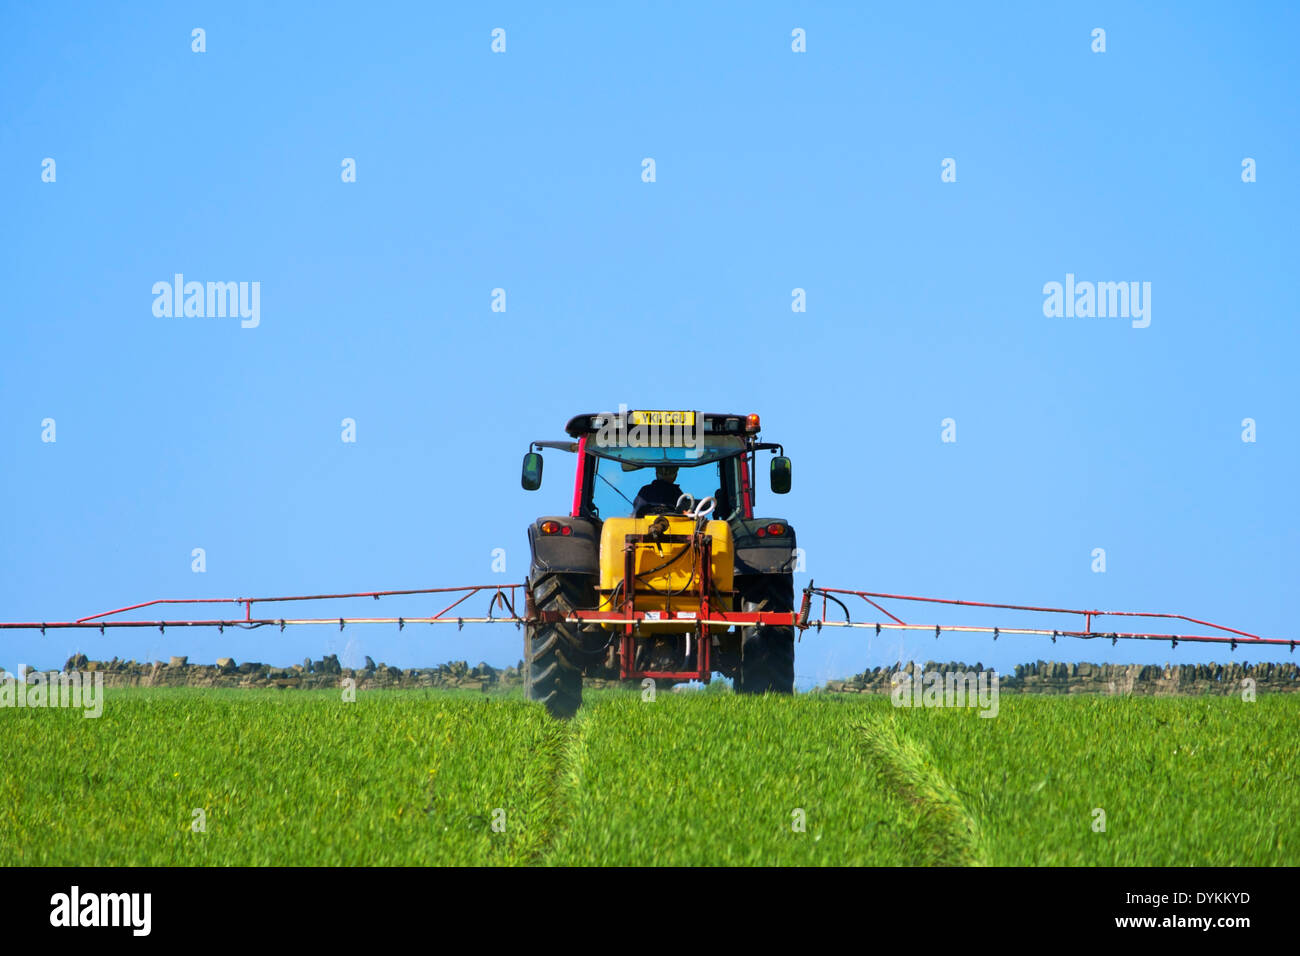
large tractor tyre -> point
(767, 653)
(553, 649)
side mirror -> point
(532, 476)
(780, 476)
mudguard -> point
(769, 554)
(578, 552)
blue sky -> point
(522, 170)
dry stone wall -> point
(1052, 677)
(325, 673)
(1041, 677)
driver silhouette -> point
(660, 495)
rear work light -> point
(554, 527)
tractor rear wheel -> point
(553, 652)
(767, 653)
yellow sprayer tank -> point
(667, 571)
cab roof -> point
(713, 422)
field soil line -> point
(948, 834)
(565, 750)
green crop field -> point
(428, 777)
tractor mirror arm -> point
(570, 446)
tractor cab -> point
(618, 454)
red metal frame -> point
(701, 546)
(579, 478)
(498, 598)
(1236, 637)
(746, 488)
(505, 596)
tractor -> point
(660, 570)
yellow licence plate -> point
(685, 419)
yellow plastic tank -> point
(667, 573)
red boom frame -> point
(505, 597)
